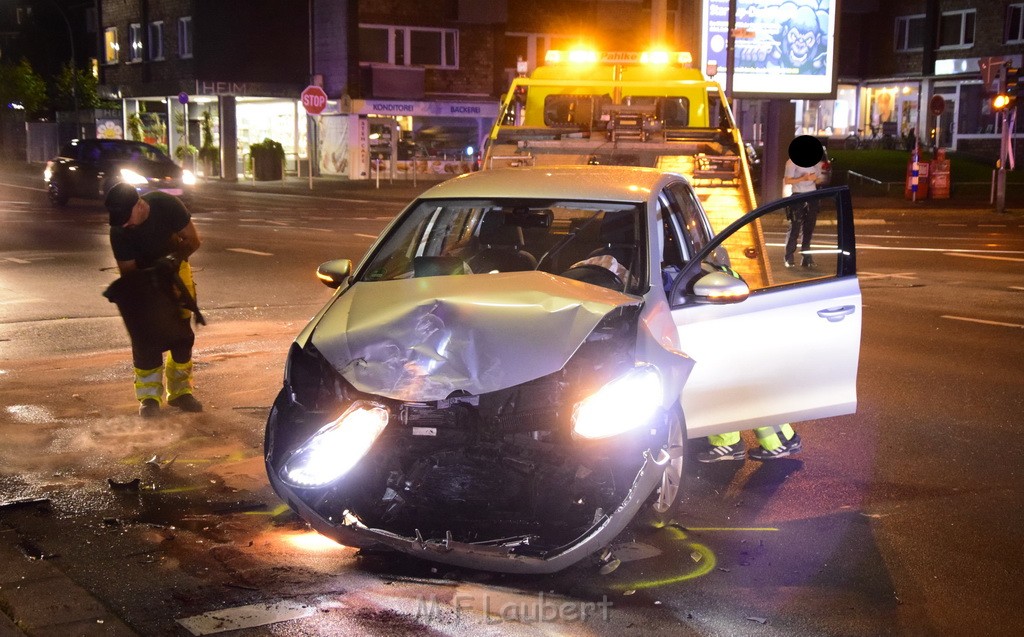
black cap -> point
(120, 200)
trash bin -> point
(922, 180)
(939, 176)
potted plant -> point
(209, 153)
(267, 160)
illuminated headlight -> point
(131, 177)
(629, 401)
(336, 448)
(188, 178)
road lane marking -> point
(247, 251)
(365, 236)
(983, 322)
(945, 251)
(16, 260)
(984, 256)
(991, 225)
(867, 276)
(1017, 287)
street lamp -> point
(74, 69)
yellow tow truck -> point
(642, 109)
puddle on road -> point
(30, 414)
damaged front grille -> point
(482, 467)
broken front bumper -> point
(497, 558)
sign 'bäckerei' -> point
(425, 109)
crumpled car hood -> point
(418, 340)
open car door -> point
(774, 331)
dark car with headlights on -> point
(509, 376)
(87, 168)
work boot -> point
(149, 408)
(186, 402)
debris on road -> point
(131, 485)
(23, 502)
(241, 617)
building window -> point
(532, 47)
(1015, 23)
(156, 40)
(956, 29)
(409, 46)
(185, 37)
(910, 33)
(111, 48)
(135, 42)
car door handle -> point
(836, 314)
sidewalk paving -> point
(29, 607)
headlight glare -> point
(629, 401)
(188, 177)
(130, 176)
(333, 450)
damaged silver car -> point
(509, 376)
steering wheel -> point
(595, 275)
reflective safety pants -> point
(150, 369)
(149, 383)
(767, 437)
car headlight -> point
(629, 401)
(188, 178)
(336, 447)
(131, 177)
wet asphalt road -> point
(903, 519)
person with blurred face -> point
(152, 237)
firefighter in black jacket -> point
(152, 237)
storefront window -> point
(976, 116)
(259, 119)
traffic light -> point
(1012, 81)
(1007, 98)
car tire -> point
(58, 193)
(672, 479)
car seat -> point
(502, 247)
(617, 237)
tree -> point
(71, 81)
(21, 85)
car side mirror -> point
(335, 272)
(721, 288)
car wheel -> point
(58, 193)
(672, 479)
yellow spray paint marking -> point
(701, 554)
(182, 489)
(281, 508)
(729, 528)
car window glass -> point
(794, 242)
(683, 202)
(484, 236)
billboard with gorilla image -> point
(784, 48)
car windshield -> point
(565, 238)
(137, 152)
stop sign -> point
(314, 100)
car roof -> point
(610, 183)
